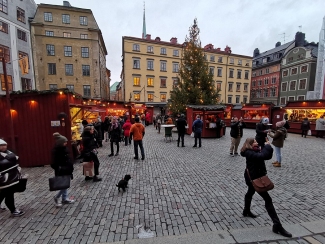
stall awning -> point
(251, 108)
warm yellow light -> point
(32, 101)
(60, 92)
(74, 96)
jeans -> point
(94, 158)
(159, 126)
(234, 144)
(197, 135)
(140, 144)
(304, 133)
(63, 193)
(117, 147)
(127, 140)
(180, 137)
(278, 154)
(8, 195)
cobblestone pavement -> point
(174, 191)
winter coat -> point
(88, 142)
(260, 134)
(237, 127)
(115, 133)
(158, 119)
(278, 137)
(98, 128)
(255, 161)
(181, 124)
(169, 121)
(305, 125)
(126, 127)
(8, 165)
(137, 131)
(320, 124)
(106, 124)
(148, 116)
(197, 126)
(61, 162)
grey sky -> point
(241, 24)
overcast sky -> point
(241, 24)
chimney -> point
(256, 52)
(278, 44)
(148, 37)
(300, 39)
(218, 49)
(173, 40)
(157, 39)
(208, 47)
(227, 49)
(66, 4)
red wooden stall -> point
(208, 114)
(252, 113)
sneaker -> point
(2, 208)
(236, 154)
(57, 202)
(17, 213)
(231, 154)
(136, 158)
(68, 201)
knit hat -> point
(59, 139)
(265, 120)
(280, 124)
(137, 119)
(2, 142)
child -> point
(62, 165)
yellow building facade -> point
(150, 69)
(69, 51)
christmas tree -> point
(196, 85)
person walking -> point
(98, 128)
(320, 127)
(137, 132)
(106, 127)
(9, 177)
(278, 141)
(126, 127)
(261, 131)
(159, 121)
(62, 165)
(236, 133)
(218, 126)
(255, 168)
(197, 129)
(90, 152)
(181, 128)
(115, 133)
(305, 127)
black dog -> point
(123, 183)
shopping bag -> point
(59, 182)
(21, 186)
(309, 133)
(88, 169)
(192, 134)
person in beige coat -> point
(278, 141)
(320, 127)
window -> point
(229, 99)
(303, 69)
(273, 92)
(85, 52)
(267, 71)
(290, 59)
(254, 74)
(66, 34)
(238, 87)
(67, 51)
(51, 68)
(53, 86)
(294, 71)
(253, 95)
(162, 82)
(211, 70)
(291, 98)
(3, 83)
(258, 93)
(231, 61)
(219, 72)
(150, 64)
(87, 91)
(4, 53)
(239, 74)
(284, 86)
(300, 56)
(86, 70)
(3, 25)
(219, 86)
(259, 83)
(266, 81)
(150, 97)
(301, 98)
(50, 50)
(273, 80)
(136, 63)
(264, 60)
(245, 99)
(230, 87)
(239, 62)
(175, 53)
(70, 87)
(211, 58)
(136, 47)
(266, 92)
(48, 17)
(254, 83)
(261, 72)
(4, 6)
(163, 97)
(21, 15)
(49, 33)
(175, 67)
(220, 59)
(162, 50)
(149, 81)
(302, 84)
(136, 81)
(65, 18)
(246, 74)
(69, 69)
(237, 99)
(175, 82)
(245, 87)
(83, 36)
(231, 73)
(205, 57)
(163, 66)
(292, 85)
(83, 20)
(150, 49)
(137, 97)
(282, 100)
(26, 84)
(22, 54)
(21, 35)
(285, 73)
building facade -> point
(69, 51)
(15, 43)
(151, 66)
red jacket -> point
(126, 127)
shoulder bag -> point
(59, 182)
(261, 184)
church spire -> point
(144, 31)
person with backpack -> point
(305, 127)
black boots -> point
(112, 154)
(96, 178)
(248, 213)
(278, 229)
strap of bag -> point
(248, 175)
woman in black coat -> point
(255, 165)
(305, 126)
(115, 133)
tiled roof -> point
(274, 50)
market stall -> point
(209, 114)
(252, 113)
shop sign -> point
(55, 123)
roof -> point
(314, 49)
(64, 7)
(114, 86)
(274, 50)
(207, 107)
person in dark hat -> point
(181, 128)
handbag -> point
(88, 169)
(309, 133)
(20, 186)
(261, 184)
(59, 182)
(192, 134)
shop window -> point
(239, 74)
(3, 25)
(163, 82)
(85, 52)
(163, 97)
(3, 83)
(150, 97)
(292, 85)
(297, 115)
(246, 74)
(210, 120)
(48, 17)
(294, 71)
(149, 81)
(163, 50)
(136, 47)
(150, 49)
(86, 90)
(291, 99)
(245, 87)
(238, 87)
(5, 53)
(302, 84)
(86, 70)
(49, 33)
(230, 87)
(69, 69)
(175, 53)
(65, 18)
(304, 69)
(282, 100)
(51, 68)
(229, 99)
(70, 87)
(220, 59)
(231, 73)
(219, 72)
(255, 114)
(20, 15)
(4, 6)
(83, 20)
(150, 64)
(66, 34)
(137, 97)
(211, 70)
(53, 86)
(136, 81)
(83, 36)
(285, 73)
(211, 58)
(175, 67)
(26, 84)
(284, 86)
(237, 99)
(163, 66)
(68, 51)
(136, 63)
